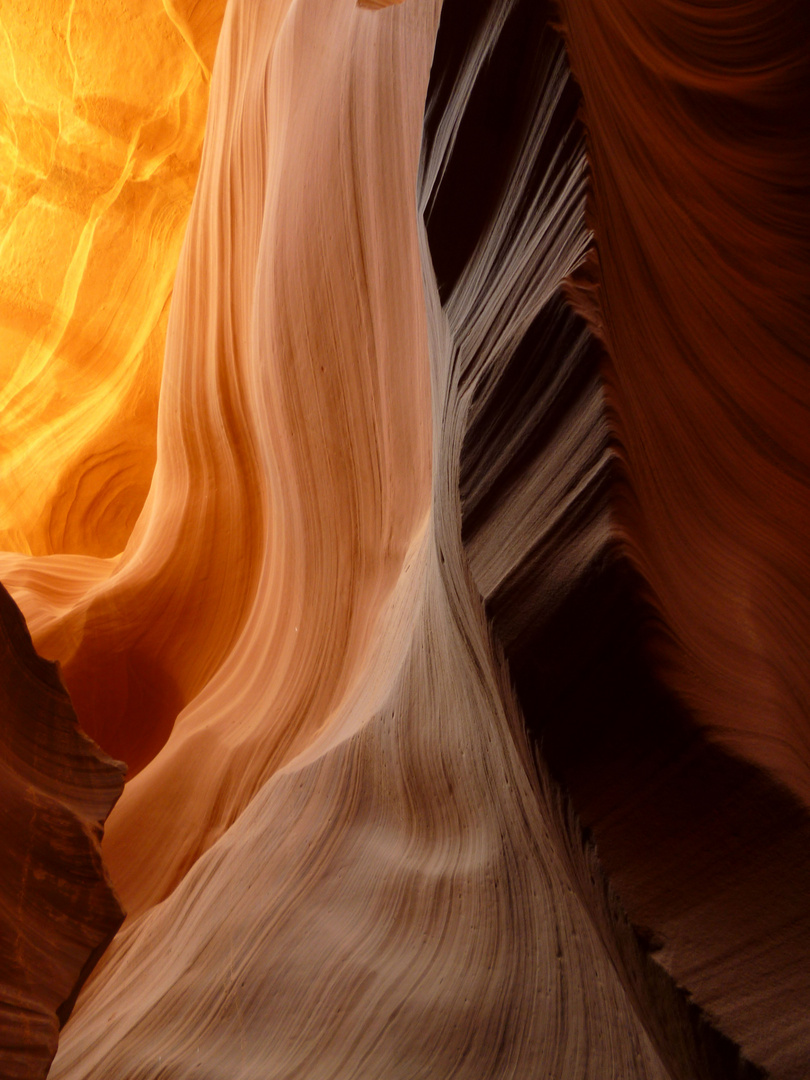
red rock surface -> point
(481, 481)
(700, 164)
(57, 909)
(697, 124)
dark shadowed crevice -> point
(492, 128)
(58, 911)
(693, 840)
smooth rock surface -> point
(480, 482)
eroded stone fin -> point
(505, 217)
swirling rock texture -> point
(57, 909)
(465, 427)
(619, 514)
(697, 127)
(102, 109)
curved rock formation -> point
(57, 910)
(708, 852)
(459, 436)
(407, 871)
(696, 125)
(101, 124)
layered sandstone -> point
(473, 492)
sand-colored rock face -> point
(402, 898)
(57, 910)
(434, 395)
(101, 123)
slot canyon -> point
(405, 540)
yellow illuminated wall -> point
(102, 109)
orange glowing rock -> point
(406, 503)
(100, 137)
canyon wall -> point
(58, 911)
(457, 652)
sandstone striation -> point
(706, 848)
(477, 517)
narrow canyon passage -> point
(457, 651)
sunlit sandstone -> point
(101, 124)
(446, 448)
